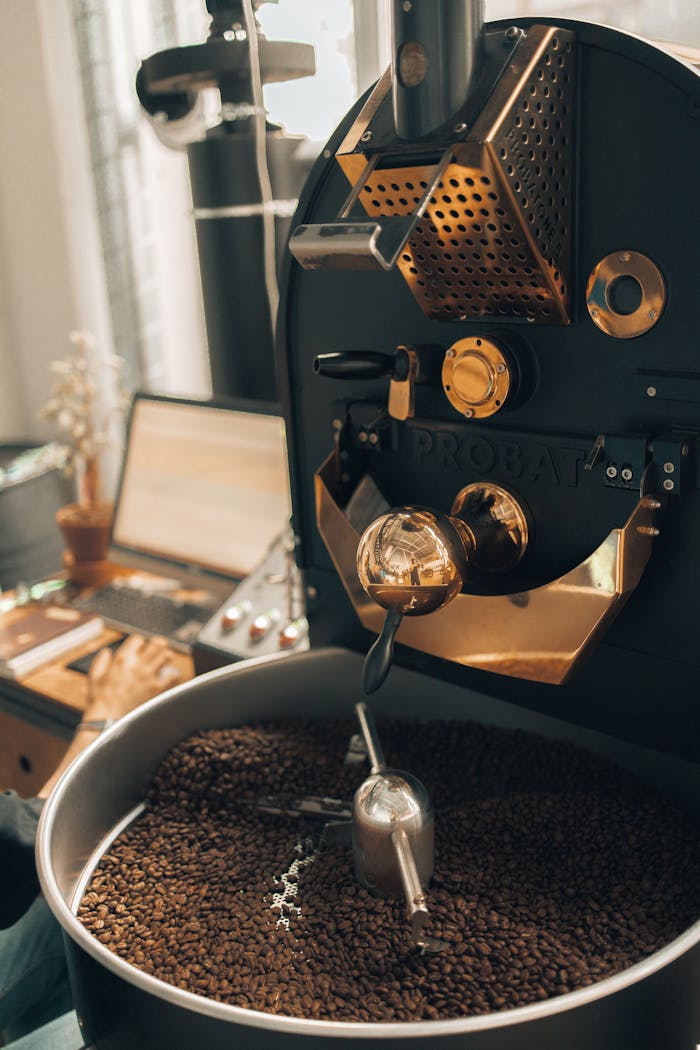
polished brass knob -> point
(414, 560)
(410, 561)
(478, 376)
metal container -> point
(651, 1006)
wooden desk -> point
(39, 712)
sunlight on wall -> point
(315, 105)
(677, 20)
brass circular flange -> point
(476, 377)
(629, 267)
(498, 522)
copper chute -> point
(539, 634)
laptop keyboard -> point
(139, 610)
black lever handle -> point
(378, 660)
(355, 365)
(364, 364)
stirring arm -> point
(410, 881)
(413, 891)
(371, 737)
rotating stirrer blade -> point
(393, 834)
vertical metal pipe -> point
(436, 48)
(371, 738)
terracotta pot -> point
(86, 535)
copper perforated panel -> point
(494, 241)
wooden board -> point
(28, 754)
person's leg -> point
(34, 986)
(62, 1033)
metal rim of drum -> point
(174, 709)
(600, 288)
(495, 376)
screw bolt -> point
(594, 312)
(337, 424)
(652, 315)
(500, 369)
(625, 257)
(668, 485)
(311, 592)
(647, 530)
(366, 136)
(626, 474)
(449, 353)
(651, 391)
(459, 128)
(374, 439)
(469, 412)
(407, 5)
(512, 33)
(611, 471)
(669, 468)
(362, 437)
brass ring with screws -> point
(645, 288)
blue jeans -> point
(36, 1006)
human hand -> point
(121, 681)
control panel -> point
(265, 614)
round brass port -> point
(498, 522)
(625, 294)
(476, 377)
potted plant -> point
(88, 413)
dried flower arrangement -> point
(80, 407)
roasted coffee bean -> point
(553, 870)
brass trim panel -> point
(494, 240)
(541, 634)
(599, 294)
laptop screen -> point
(203, 485)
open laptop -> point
(203, 496)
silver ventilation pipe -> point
(436, 50)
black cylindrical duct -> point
(436, 48)
(229, 223)
(227, 185)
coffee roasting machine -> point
(488, 344)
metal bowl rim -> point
(299, 1025)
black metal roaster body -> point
(579, 406)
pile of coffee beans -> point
(553, 870)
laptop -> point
(202, 498)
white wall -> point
(51, 263)
(37, 305)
